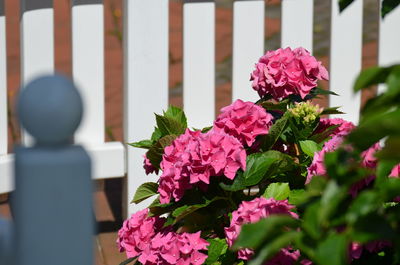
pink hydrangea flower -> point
(283, 72)
(148, 167)
(368, 156)
(194, 157)
(243, 120)
(251, 212)
(395, 173)
(137, 232)
(344, 129)
(368, 160)
(171, 248)
(317, 167)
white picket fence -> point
(146, 66)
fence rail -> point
(146, 65)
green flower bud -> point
(306, 112)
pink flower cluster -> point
(283, 72)
(137, 232)
(251, 212)
(317, 167)
(171, 248)
(345, 127)
(148, 167)
(243, 120)
(144, 237)
(194, 157)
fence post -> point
(53, 197)
(6, 241)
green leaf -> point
(309, 147)
(332, 251)
(376, 127)
(156, 208)
(267, 164)
(311, 223)
(388, 188)
(320, 91)
(267, 229)
(331, 198)
(269, 250)
(372, 227)
(216, 249)
(344, 3)
(332, 110)
(145, 144)
(278, 191)
(185, 210)
(145, 191)
(385, 101)
(237, 184)
(321, 137)
(388, 6)
(157, 150)
(166, 140)
(371, 76)
(297, 197)
(206, 129)
(363, 204)
(391, 149)
(384, 168)
(268, 105)
(256, 167)
(177, 114)
(156, 134)
(125, 262)
(168, 125)
(275, 131)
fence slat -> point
(346, 56)
(6, 173)
(3, 83)
(389, 42)
(146, 80)
(248, 45)
(88, 66)
(199, 62)
(297, 24)
(37, 42)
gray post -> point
(6, 241)
(53, 195)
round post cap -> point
(50, 109)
